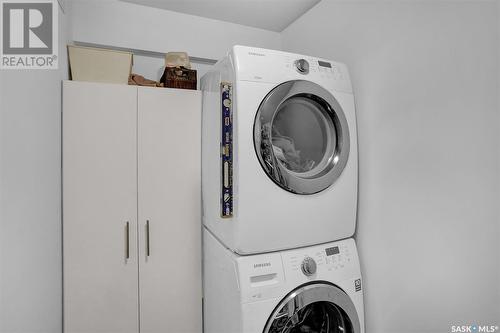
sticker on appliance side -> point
(357, 284)
(226, 150)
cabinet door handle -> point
(147, 239)
(127, 240)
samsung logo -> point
(262, 265)
(256, 54)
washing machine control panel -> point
(322, 260)
(271, 275)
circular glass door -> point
(301, 137)
(314, 308)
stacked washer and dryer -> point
(279, 185)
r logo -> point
(27, 27)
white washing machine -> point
(315, 289)
(279, 151)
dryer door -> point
(301, 137)
(318, 307)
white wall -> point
(30, 198)
(122, 24)
(426, 82)
(126, 25)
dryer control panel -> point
(260, 65)
(317, 68)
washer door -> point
(314, 308)
(301, 137)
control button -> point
(302, 66)
(308, 266)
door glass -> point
(318, 317)
(302, 135)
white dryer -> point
(279, 151)
(314, 289)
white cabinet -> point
(131, 209)
(169, 202)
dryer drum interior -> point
(301, 137)
(314, 308)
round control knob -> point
(302, 66)
(308, 266)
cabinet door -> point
(99, 202)
(169, 206)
